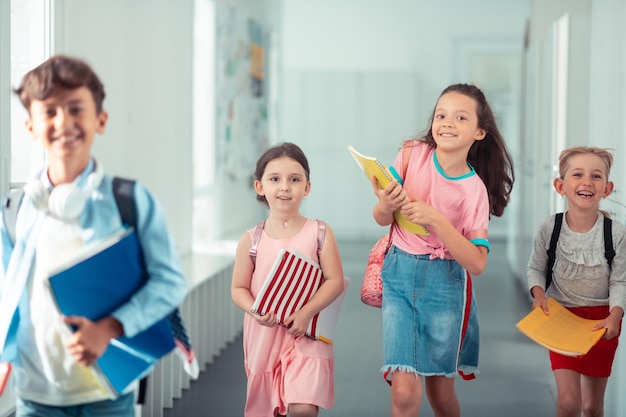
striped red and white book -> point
(291, 283)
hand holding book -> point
(385, 175)
(92, 285)
(561, 331)
(292, 281)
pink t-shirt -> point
(463, 200)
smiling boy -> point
(68, 205)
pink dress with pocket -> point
(281, 369)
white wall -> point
(368, 73)
(608, 91)
(142, 50)
(549, 111)
(608, 128)
(5, 105)
(237, 208)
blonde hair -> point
(567, 154)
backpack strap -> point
(123, 191)
(258, 231)
(321, 235)
(558, 221)
(256, 238)
(406, 157)
(10, 205)
(609, 250)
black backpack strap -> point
(10, 205)
(123, 191)
(609, 251)
(558, 221)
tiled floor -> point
(515, 378)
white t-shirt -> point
(49, 373)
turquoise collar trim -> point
(469, 174)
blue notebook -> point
(102, 279)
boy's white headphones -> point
(66, 201)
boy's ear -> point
(103, 117)
(558, 185)
(29, 125)
(608, 189)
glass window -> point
(204, 209)
(30, 45)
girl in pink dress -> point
(287, 371)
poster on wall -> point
(241, 93)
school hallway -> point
(515, 378)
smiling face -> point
(284, 184)
(585, 182)
(66, 124)
(455, 123)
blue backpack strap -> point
(10, 205)
(558, 221)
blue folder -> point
(95, 287)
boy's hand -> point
(91, 339)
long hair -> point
(490, 156)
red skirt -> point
(599, 360)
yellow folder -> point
(561, 331)
(384, 175)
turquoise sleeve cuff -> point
(482, 242)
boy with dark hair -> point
(69, 205)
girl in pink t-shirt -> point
(455, 178)
(287, 371)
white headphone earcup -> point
(38, 194)
(67, 201)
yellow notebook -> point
(372, 167)
(561, 331)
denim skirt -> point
(429, 314)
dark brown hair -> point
(288, 149)
(489, 157)
(59, 72)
